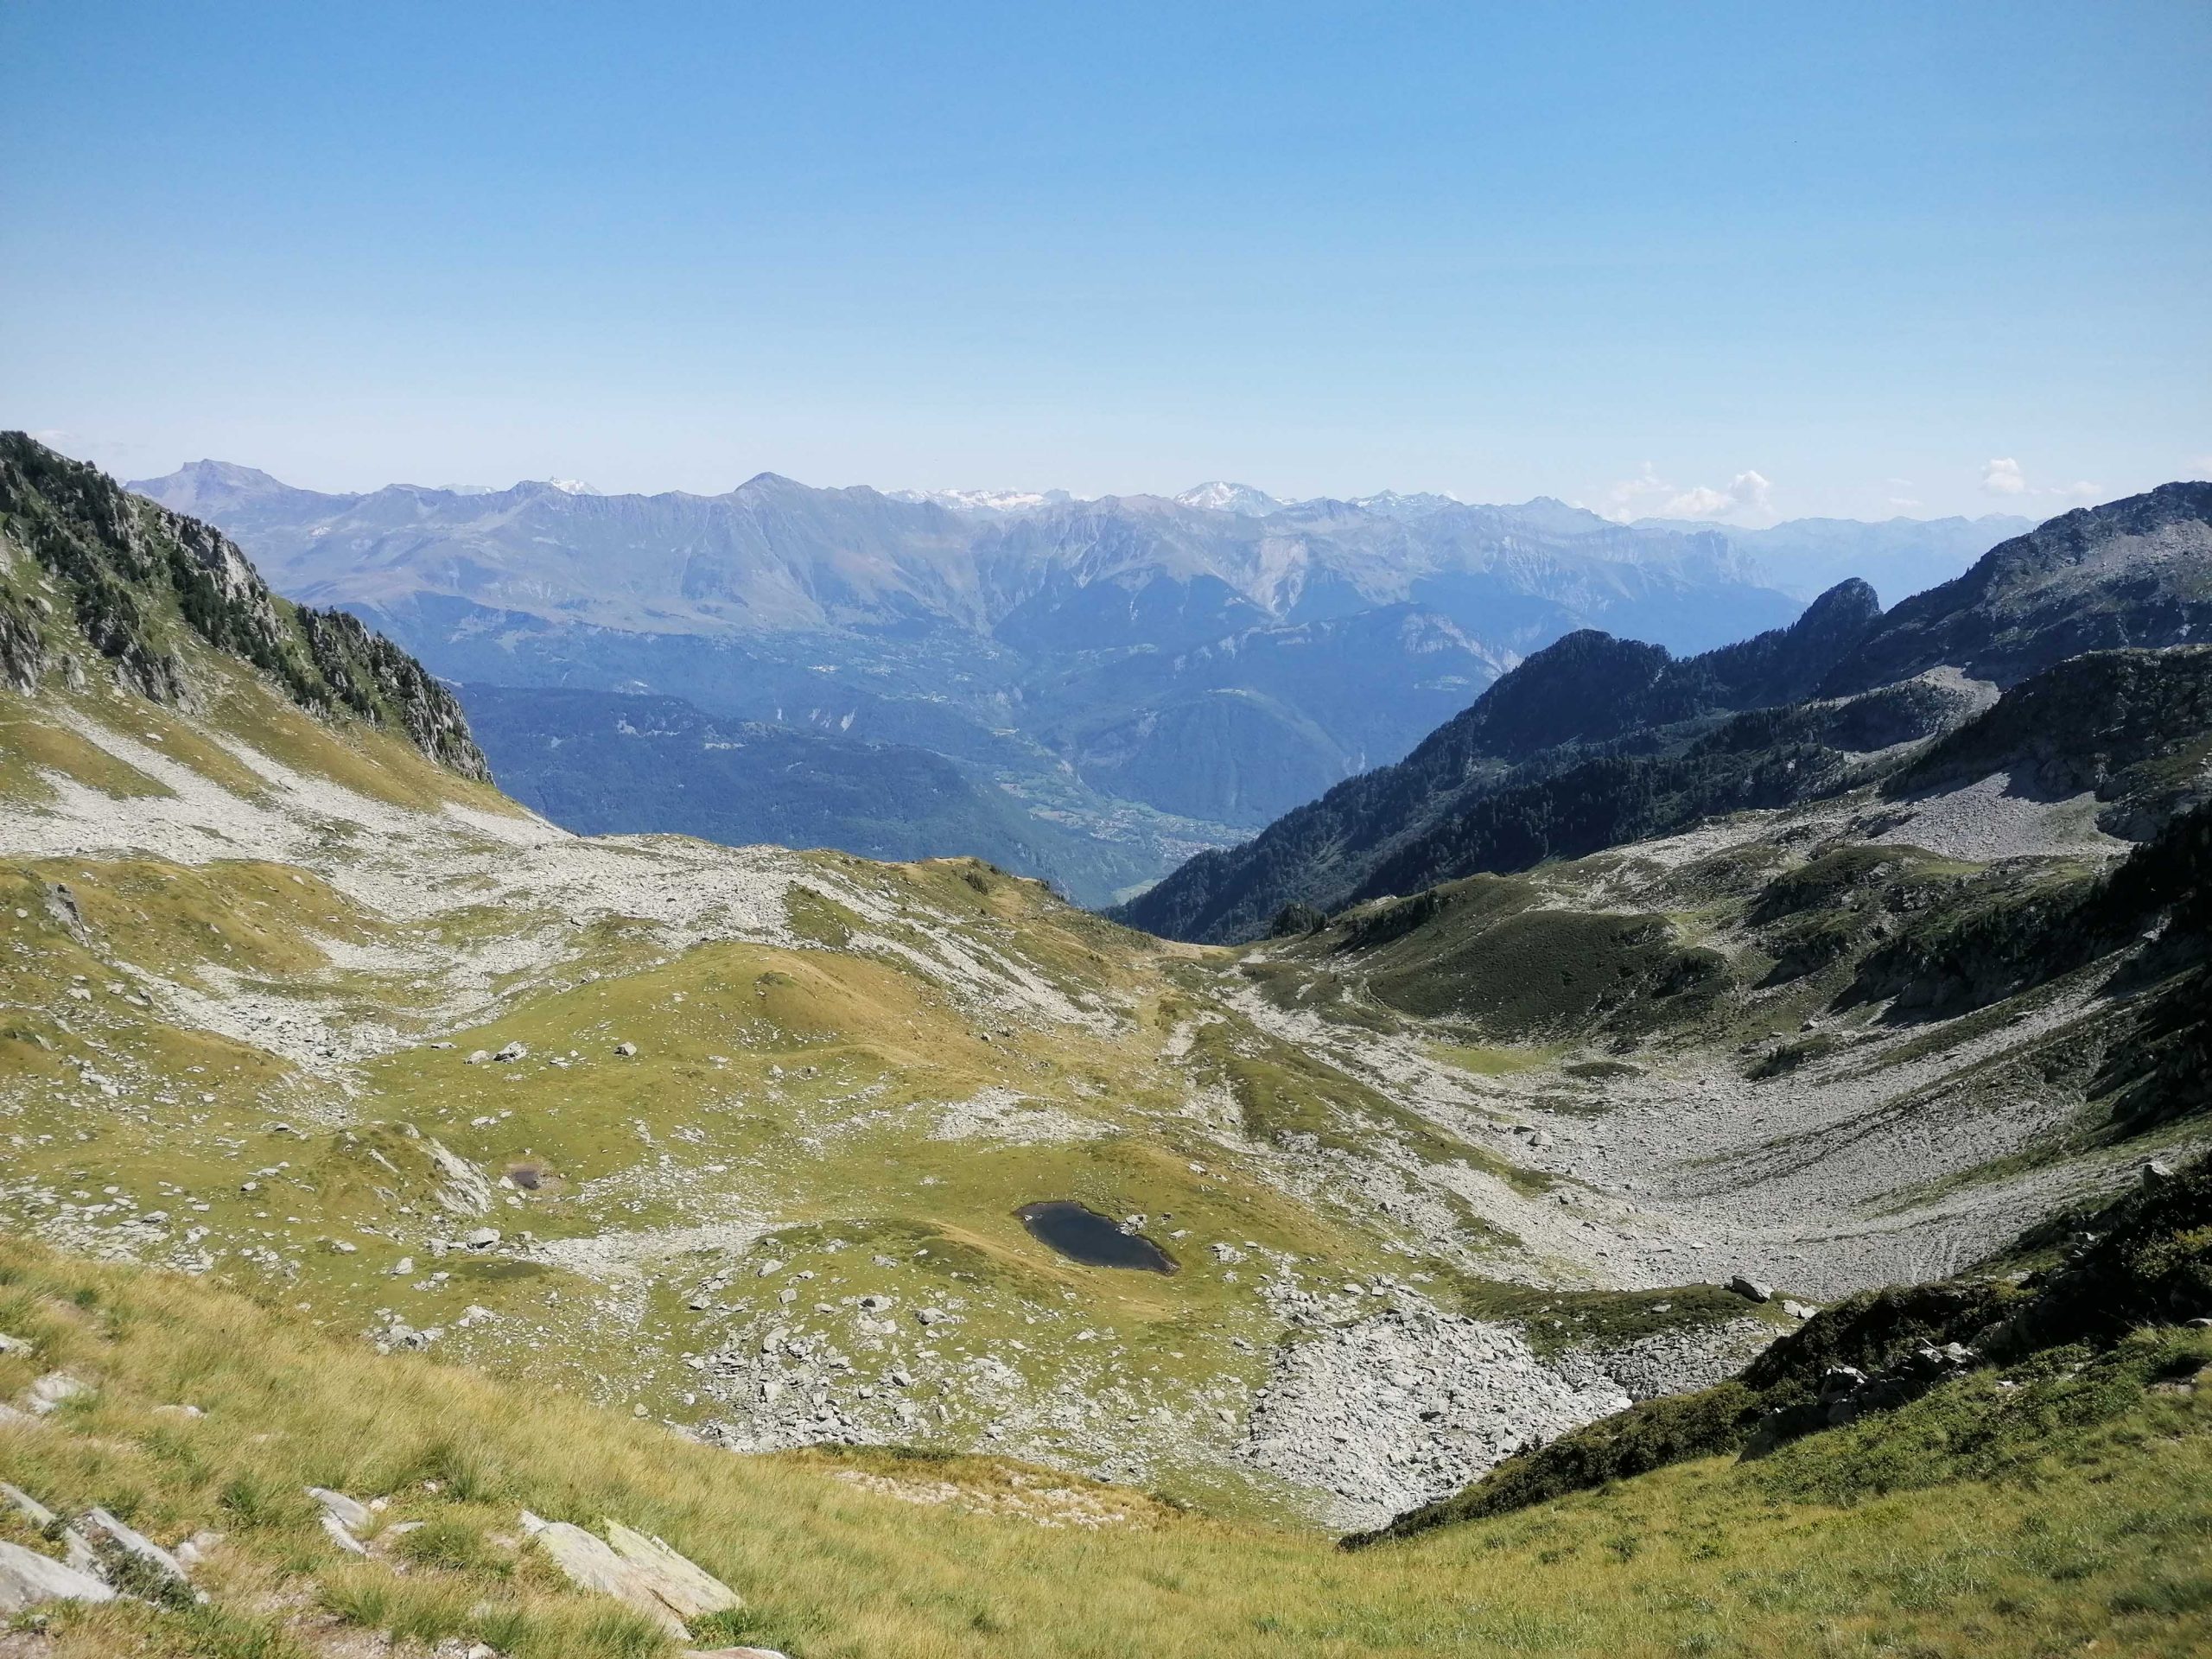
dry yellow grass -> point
(2106, 1539)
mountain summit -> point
(1221, 497)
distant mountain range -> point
(1596, 741)
(1154, 675)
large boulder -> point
(642, 1572)
(49, 1391)
(132, 1562)
(689, 1589)
(27, 1579)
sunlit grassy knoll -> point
(373, 763)
(1554, 1319)
(32, 745)
(2093, 1519)
(1491, 1062)
(1287, 1090)
(240, 915)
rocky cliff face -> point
(88, 565)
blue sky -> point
(1748, 260)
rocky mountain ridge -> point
(1575, 748)
(91, 565)
(1160, 676)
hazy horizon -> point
(476, 486)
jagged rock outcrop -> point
(135, 581)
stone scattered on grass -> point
(351, 1512)
(643, 1573)
(689, 1591)
(197, 1549)
(27, 1579)
(50, 1390)
(1752, 1289)
(133, 1562)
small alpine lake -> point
(1082, 1235)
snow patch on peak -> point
(986, 500)
(1219, 495)
(1393, 504)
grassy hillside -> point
(242, 996)
(421, 1141)
(1902, 1534)
(251, 953)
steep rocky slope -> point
(1597, 741)
(1576, 697)
(89, 564)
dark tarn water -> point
(1084, 1235)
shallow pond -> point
(1082, 1235)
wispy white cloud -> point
(2004, 477)
(1650, 496)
